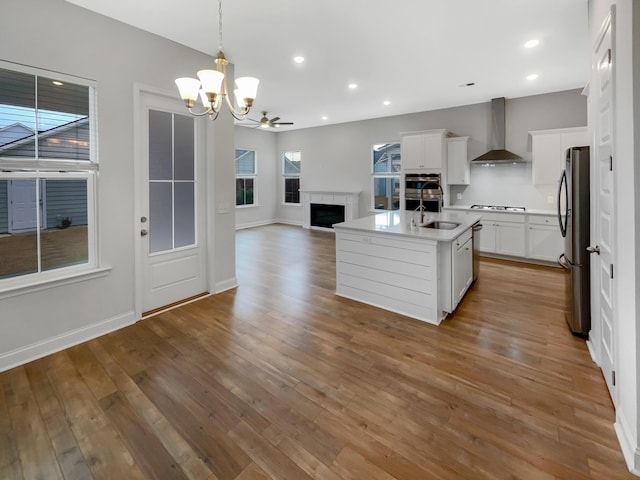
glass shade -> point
(239, 100)
(211, 80)
(188, 88)
(204, 99)
(247, 87)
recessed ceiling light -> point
(298, 59)
(387, 102)
(57, 82)
(353, 86)
(532, 43)
(533, 76)
(324, 117)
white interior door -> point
(603, 314)
(23, 205)
(172, 223)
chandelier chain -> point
(220, 24)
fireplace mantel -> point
(350, 200)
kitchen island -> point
(417, 271)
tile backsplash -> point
(504, 184)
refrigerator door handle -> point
(561, 182)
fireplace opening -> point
(326, 215)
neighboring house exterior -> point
(59, 199)
(11, 133)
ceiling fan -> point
(266, 122)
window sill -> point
(380, 210)
(253, 205)
(51, 282)
(291, 204)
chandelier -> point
(211, 87)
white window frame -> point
(286, 176)
(253, 176)
(383, 175)
(16, 168)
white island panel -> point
(383, 261)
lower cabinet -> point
(462, 266)
(533, 236)
(544, 241)
(502, 236)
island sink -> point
(441, 225)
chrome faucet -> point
(421, 206)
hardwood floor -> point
(281, 379)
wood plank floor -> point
(280, 379)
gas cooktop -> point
(499, 207)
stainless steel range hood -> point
(498, 152)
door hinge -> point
(613, 377)
(611, 270)
(609, 56)
(611, 163)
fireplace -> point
(321, 209)
(323, 215)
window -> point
(245, 177)
(291, 173)
(385, 176)
(47, 176)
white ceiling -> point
(414, 53)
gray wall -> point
(264, 143)
(58, 36)
(337, 157)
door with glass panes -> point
(171, 226)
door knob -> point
(595, 249)
(144, 232)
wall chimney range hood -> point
(497, 143)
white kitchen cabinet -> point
(510, 239)
(503, 234)
(487, 237)
(458, 161)
(544, 240)
(462, 266)
(548, 149)
(423, 150)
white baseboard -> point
(289, 222)
(628, 444)
(261, 223)
(225, 285)
(51, 345)
(592, 351)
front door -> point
(603, 234)
(171, 223)
(25, 205)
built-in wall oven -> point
(425, 184)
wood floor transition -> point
(281, 379)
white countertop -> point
(531, 211)
(399, 223)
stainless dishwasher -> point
(475, 240)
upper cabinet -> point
(423, 150)
(548, 148)
(457, 161)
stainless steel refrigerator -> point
(574, 220)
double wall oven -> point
(426, 184)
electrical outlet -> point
(459, 196)
(550, 199)
(224, 208)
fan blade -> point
(274, 119)
(282, 123)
